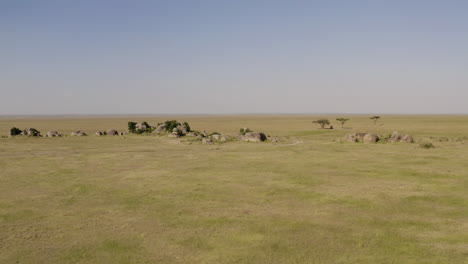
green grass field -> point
(306, 199)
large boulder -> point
(100, 133)
(182, 129)
(253, 137)
(112, 132)
(53, 134)
(370, 138)
(78, 133)
(407, 139)
(141, 127)
(31, 132)
(161, 128)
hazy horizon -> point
(242, 57)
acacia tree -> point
(342, 121)
(322, 122)
(375, 118)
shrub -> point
(426, 145)
(15, 131)
(186, 126)
(131, 127)
(171, 124)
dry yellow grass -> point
(306, 199)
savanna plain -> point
(308, 198)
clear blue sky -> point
(83, 57)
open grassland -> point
(306, 199)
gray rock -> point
(395, 137)
(370, 138)
(78, 133)
(161, 128)
(31, 132)
(112, 132)
(141, 126)
(53, 134)
(204, 134)
(182, 129)
(124, 133)
(191, 134)
(253, 137)
(207, 140)
(99, 133)
(407, 139)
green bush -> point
(171, 124)
(426, 145)
(15, 131)
(186, 126)
(131, 127)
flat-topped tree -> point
(375, 118)
(322, 122)
(342, 121)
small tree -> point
(131, 127)
(322, 122)
(15, 131)
(342, 121)
(375, 118)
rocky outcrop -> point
(78, 133)
(394, 137)
(370, 138)
(160, 129)
(253, 137)
(397, 137)
(31, 132)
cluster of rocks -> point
(178, 131)
(111, 132)
(374, 138)
(31, 132)
(211, 139)
(245, 134)
(172, 128)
